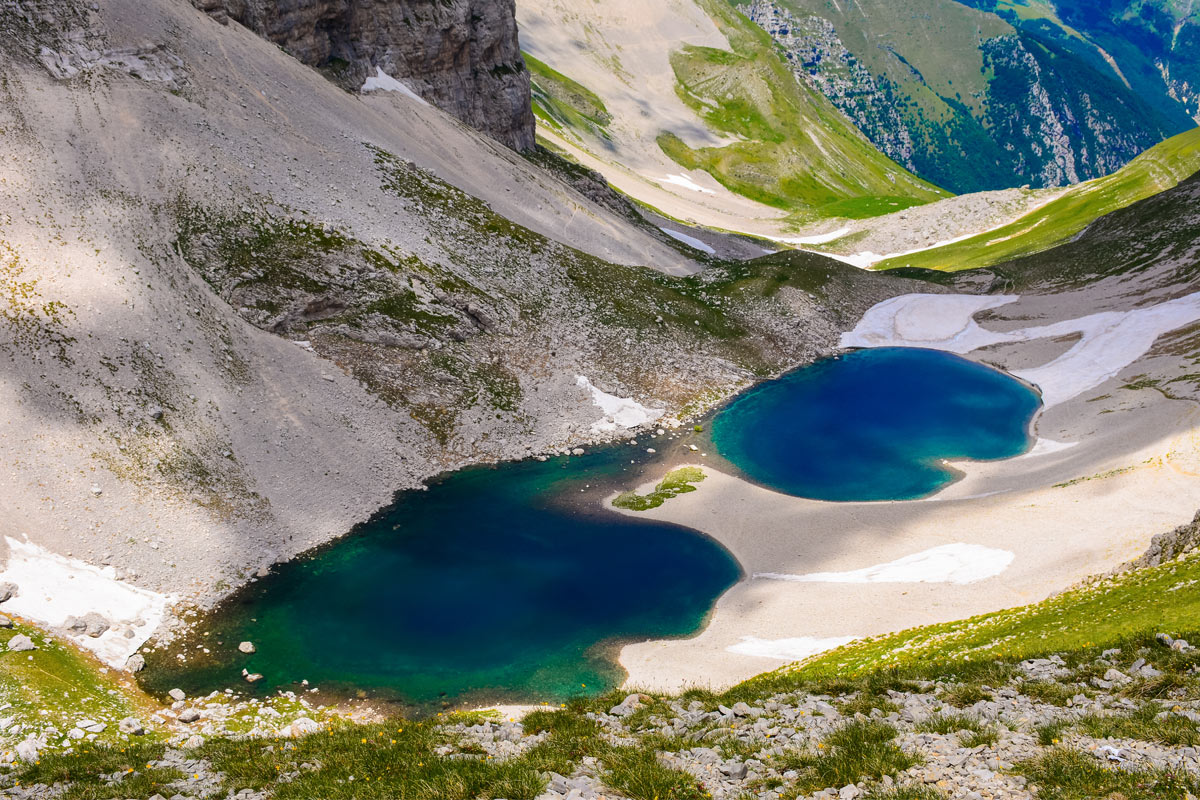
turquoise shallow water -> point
(874, 424)
(494, 582)
(509, 583)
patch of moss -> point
(675, 483)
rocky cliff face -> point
(461, 55)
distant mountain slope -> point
(1152, 45)
(1162, 167)
(970, 100)
(689, 108)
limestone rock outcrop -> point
(460, 55)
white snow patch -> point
(868, 259)
(794, 649)
(51, 588)
(382, 82)
(819, 238)
(690, 241)
(687, 183)
(1109, 341)
(949, 563)
(619, 412)
(1045, 447)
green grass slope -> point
(59, 685)
(1131, 606)
(1158, 169)
(793, 149)
(563, 103)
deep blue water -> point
(874, 424)
(491, 582)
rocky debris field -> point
(1122, 720)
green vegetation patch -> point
(562, 102)
(1065, 774)
(389, 760)
(1147, 724)
(1158, 169)
(1085, 619)
(793, 149)
(946, 724)
(104, 772)
(56, 684)
(673, 484)
(857, 750)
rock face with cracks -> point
(461, 55)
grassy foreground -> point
(1087, 632)
(1160, 168)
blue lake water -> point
(874, 424)
(494, 583)
(513, 583)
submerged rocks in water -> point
(246, 647)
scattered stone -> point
(97, 491)
(91, 624)
(627, 706)
(188, 715)
(246, 647)
(21, 643)
(91, 725)
(5, 622)
(132, 726)
(302, 727)
(135, 663)
(177, 695)
(193, 742)
(28, 750)
(1164, 639)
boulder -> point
(188, 715)
(135, 663)
(21, 643)
(627, 706)
(5, 622)
(302, 727)
(132, 726)
(28, 750)
(8, 591)
(177, 695)
(90, 624)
